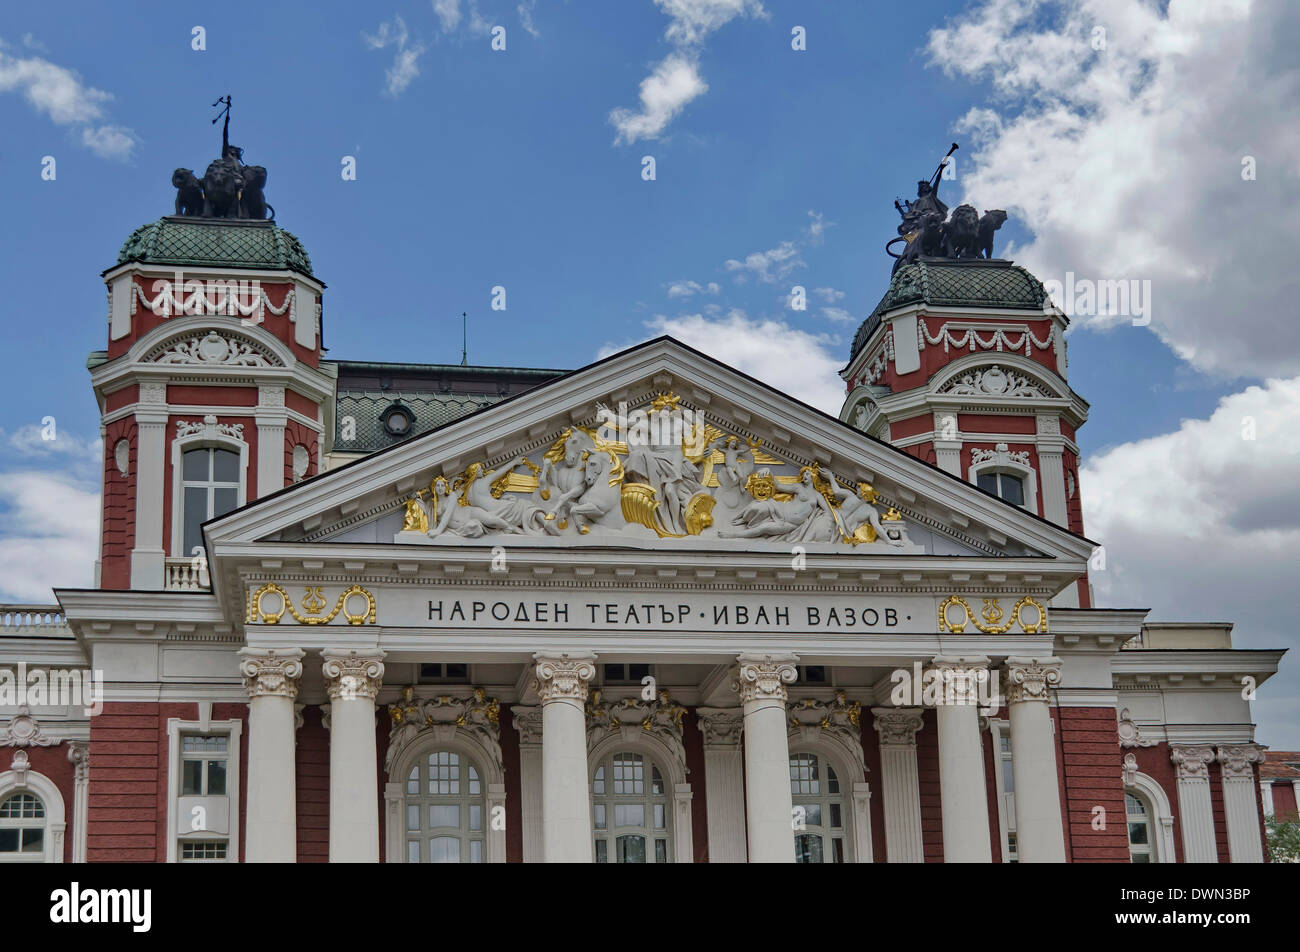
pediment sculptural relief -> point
(658, 473)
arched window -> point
(445, 810)
(819, 816)
(630, 810)
(1140, 831)
(22, 829)
(210, 479)
(1008, 486)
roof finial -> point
(464, 340)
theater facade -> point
(649, 610)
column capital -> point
(527, 719)
(960, 677)
(763, 677)
(721, 726)
(79, 757)
(271, 672)
(1237, 762)
(897, 726)
(352, 675)
(565, 677)
(1029, 678)
(1192, 763)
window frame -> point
(824, 800)
(233, 729)
(467, 772)
(1027, 474)
(610, 801)
(210, 438)
(44, 789)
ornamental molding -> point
(153, 393)
(272, 672)
(1130, 735)
(837, 720)
(209, 429)
(661, 718)
(1192, 763)
(973, 336)
(441, 718)
(1000, 455)
(352, 675)
(1029, 679)
(79, 757)
(897, 726)
(231, 298)
(1238, 762)
(991, 619)
(722, 727)
(763, 677)
(961, 677)
(20, 765)
(1130, 770)
(563, 678)
(213, 349)
(527, 719)
(994, 381)
(313, 606)
(23, 730)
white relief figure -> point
(823, 523)
(562, 464)
(733, 473)
(661, 463)
(806, 516)
(603, 491)
(454, 515)
(477, 492)
(858, 514)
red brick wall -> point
(1220, 816)
(312, 763)
(693, 741)
(119, 507)
(871, 753)
(124, 798)
(514, 787)
(1091, 774)
(991, 789)
(52, 762)
(1284, 802)
(294, 434)
(927, 769)
(304, 405)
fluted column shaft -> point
(352, 680)
(1040, 832)
(897, 727)
(962, 795)
(760, 681)
(271, 680)
(561, 683)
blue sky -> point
(478, 168)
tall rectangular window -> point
(209, 488)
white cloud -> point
(664, 93)
(526, 9)
(59, 94)
(1204, 524)
(448, 12)
(829, 295)
(837, 314)
(676, 79)
(680, 289)
(817, 227)
(791, 360)
(49, 528)
(769, 266)
(1126, 162)
(406, 58)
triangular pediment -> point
(657, 448)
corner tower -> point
(963, 364)
(210, 391)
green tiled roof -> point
(990, 284)
(216, 242)
(365, 406)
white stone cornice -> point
(565, 677)
(1238, 762)
(1028, 679)
(763, 677)
(1192, 763)
(352, 674)
(897, 726)
(271, 672)
(721, 726)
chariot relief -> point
(657, 473)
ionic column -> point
(79, 757)
(1237, 766)
(962, 794)
(271, 680)
(897, 727)
(1192, 765)
(561, 683)
(724, 783)
(1040, 828)
(760, 681)
(352, 680)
